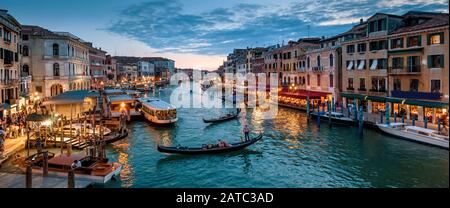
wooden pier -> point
(13, 180)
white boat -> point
(415, 133)
(158, 111)
(79, 127)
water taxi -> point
(158, 111)
(127, 104)
(415, 133)
(92, 169)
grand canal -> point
(294, 153)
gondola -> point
(205, 150)
(223, 118)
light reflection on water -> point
(293, 153)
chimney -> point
(361, 20)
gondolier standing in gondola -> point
(246, 132)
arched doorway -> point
(56, 89)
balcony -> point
(362, 89)
(9, 82)
(409, 70)
(317, 68)
(416, 95)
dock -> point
(13, 180)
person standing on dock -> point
(246, 133)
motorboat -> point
(415, 133)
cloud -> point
(165, 26)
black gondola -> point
(205, 150)
(223, 118)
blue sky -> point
(198, 33)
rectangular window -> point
(350, 83)
(351, 49)
(397, 62)
(350, 65)
(362, 84)
(436, 61)
(397, 43)
(361, 64)
(435, 86)
(361, 47)
(25, 37)
(414, 85)
(414, 41)
(397, 85)
(413, 63)
(436, 38)
(331, 81)
(318, 80)
(382, 45)
(373, 46)
(382, 64)
(372, 26)
(381, 24)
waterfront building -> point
(146, 69)
(127, 72)
(163, 67)
(401, 61)
(58, 61)
(9, 63)
(98, 68)
(255, 60)
(111, 69)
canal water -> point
(293, 153)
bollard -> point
(45, 164)
(361, 122)
(381, 117)
(71, 179)
(439, 124)
(28, 177)
(425, 122)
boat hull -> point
(343, 121)
(413, 137)
(155, 120)
(195, 151)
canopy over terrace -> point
(302, 94)
(73, 103)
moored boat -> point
(158, 111)
(92, 169)
(415, 133)
(209, 150)
(336, 117)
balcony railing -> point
(405, 70)
(416, 95)
(317, 68)
(9, 81)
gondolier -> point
(246, 132)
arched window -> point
(55, 69)
(318, 80)
(331, 60)
(318, 60)
(55, 49)
(295, 80)
(25, 70)
(308, 79)
(308, 63)
(25, 51)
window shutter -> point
(441, 59)
(430, 61)
(407, 41)
(442, 37)
(420, 40)
(428, 39)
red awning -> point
(303, 94)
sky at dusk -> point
(199, 34)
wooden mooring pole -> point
(45, 164)
(71, 179)
(28, 177)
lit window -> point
(435, 39)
